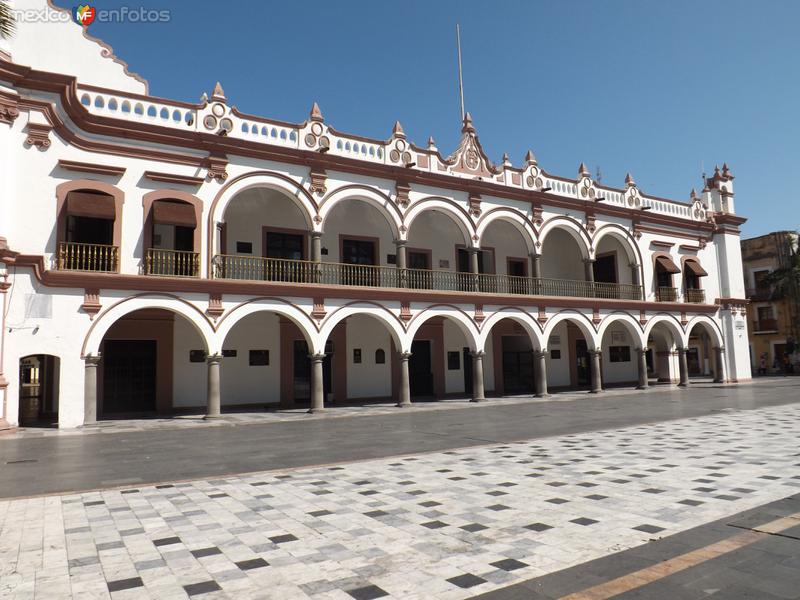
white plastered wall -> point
(368, 379)
(558, 369)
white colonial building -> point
(160, 257)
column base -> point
(541, 395)
(314, 411)
(478, 400)
(642, 387)
(683, 385)
(595, 391)
(403, 405)
(211, 417)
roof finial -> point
(583, 171)
(726, 172)
(693, 195)
(316, 113)
(431, 143)
(506, 160)
(530, 158)
(218, 93)
(397, 130)
(629, 182)
(468, 126)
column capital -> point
(315, 234)
(318, 357)
(634, 265)
(404, 355)
(400, 242)
(595, 352)
(588, 261)
(719, 348)
(539, 353)
(214, 359)
(92, 360)
(641, 350)
(477, 353)
(682, 350)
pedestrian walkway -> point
(442, 525)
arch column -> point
(477, 376)
(636, 278)
(316, 253)
(90, 389)
(540, 372)
(317, 390)
(588, 267)
(536, 265)
(642, 362)
(683, 365)
(474, 267)
(719, 356)
(405, 385)
(596, 376)
(402, 262)
(213, 399)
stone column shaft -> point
(405, 384)
(588, 266)
(474, 267)
(683, 366)
(402, 262)
(596, 380)
(642, 360)
(477, 377)
(316, 246)
(317, 387)
(90, 389)
(213, 399)
(540, 372)
(719, 355)
(536, 266)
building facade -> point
(772, 315)
(160, 256)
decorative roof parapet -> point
(469, 158)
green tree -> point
(6, 20)
(786, 281)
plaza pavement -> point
(452, 522)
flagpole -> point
(460, 79)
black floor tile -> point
(467, 580)
(206, 552)
(167, 541)
(125, 584)
(473, 527)
(509, 564)
(280, 539)
(369, 592)
(253, 563)
(538, 527)
(195, 589)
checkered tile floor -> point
(445, 525)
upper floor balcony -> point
(264, 235)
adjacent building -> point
(772, 314)
(159, 256)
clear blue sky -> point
(645, 86)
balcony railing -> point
(761, 293)
(765, 325)
(75, 256)
(667, 294)
(172, 263)
(256, 268)
(696, 296)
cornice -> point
(84, 167)
(173, 178)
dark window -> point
(288, 246)
(244, 247)
(605, 268)
(197, 356)
(391, 259)
(90, 230)
(229, 353)
(357, 355)
(619, 354)
(259, 358)
(419, 260)
(555, 354)
(453, 361)
(358, 252)
(380, 356)
(517, 268)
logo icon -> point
(84, 14)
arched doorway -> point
(573, 361)
(152, 361)
(621, 345)
(38, 390)
(704, 354)
(663, 341)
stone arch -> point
(255, 179)
(448, 207)
(630, 323)
(709, 325)
(517, 218)
(573, 227)
(278, 306)
(460, 318)
(525, 319)
(106, 318)
(579, 319)
(371, 196)
(372, 309)
(627, 241)
(672, 325)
